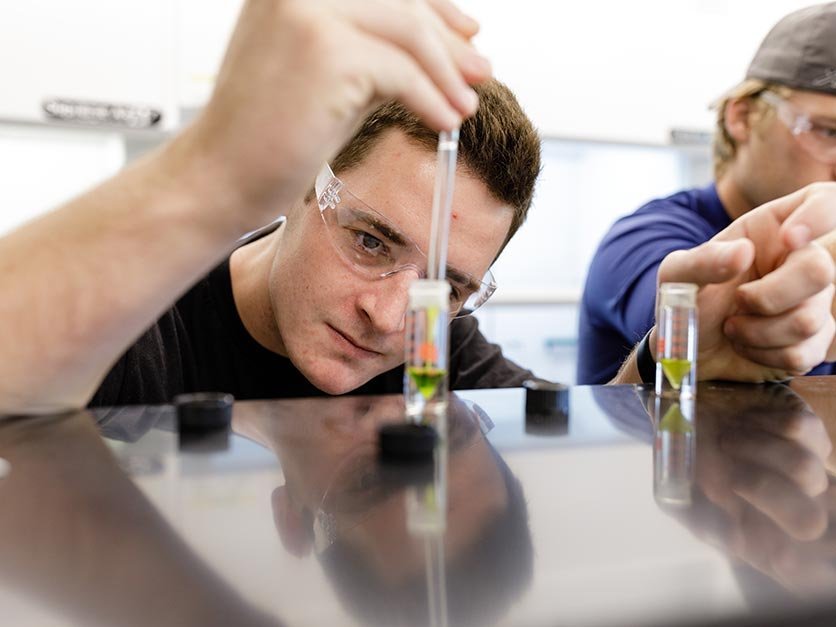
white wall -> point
(203, 28)
(40, 168)
(583, 188)
(622, 70)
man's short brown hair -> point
(498, 145)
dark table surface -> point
(109, 517)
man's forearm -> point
(629, 371)
(81, 283)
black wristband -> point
(644, 360)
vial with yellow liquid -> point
(426, 388)
(676, 348)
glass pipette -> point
(448, 149)
(426, 381)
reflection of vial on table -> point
(673, 451)
(425, 371)
(676, 349)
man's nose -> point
(385, 301)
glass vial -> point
(676, 348)
(426, 372)
(674, 451)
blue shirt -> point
(617, 308)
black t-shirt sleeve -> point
(476, 363)
(151, 371)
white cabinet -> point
(41, 167)
(615, 70)
(162, 54)
(89, 51)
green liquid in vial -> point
(426, 378)
(675, 370)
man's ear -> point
(294, 528)
(737, 119)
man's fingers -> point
(796, 513)
(831, 352)
(400, 77)
(796, 359)
(790, 327)
(415, 30)
(711, 262)
(804, 273)
(458, 21)
(797, 464)
(474, 67)
(806, 214)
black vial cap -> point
(406, 442)
(203, 412)
(546, 407)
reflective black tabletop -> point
(631, 510)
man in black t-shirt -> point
(298, 311)
(316, 302)
(85, 281)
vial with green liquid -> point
(426, 389)
(676, 348)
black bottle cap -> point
(203, 412)
(546, 407)
(406, 442)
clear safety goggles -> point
(817, 138)
(377, 248)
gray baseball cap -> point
(800, 51)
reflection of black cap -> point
(203, 421)
(800, 51)
(406, 442)
(546, 407)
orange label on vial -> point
(428, 352)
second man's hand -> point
(766, 291)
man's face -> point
(774, 163)
(330, 465)
(342, 328)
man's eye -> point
(456, 292)
(369, 244)
(827, 132)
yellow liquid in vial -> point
(675, 370)
(426, 378)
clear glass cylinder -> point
(426, 383)
(676, 347)
(674, 451)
